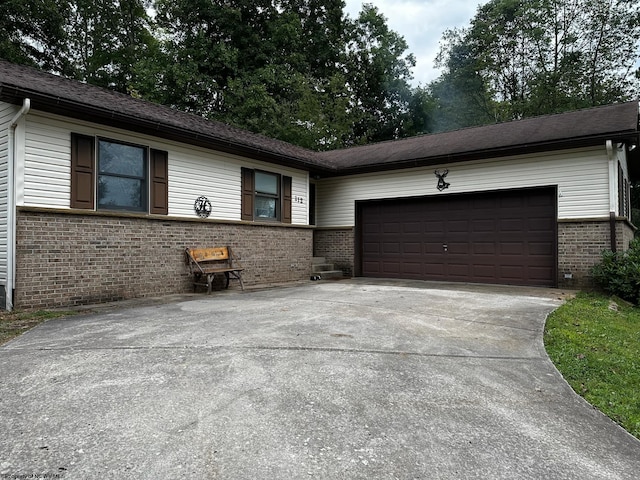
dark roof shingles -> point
(504, 137)
(573, 126)
(29, 80)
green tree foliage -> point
(378, 73)
(266, 66)
(533, 57)
(106, 40)
(298, 70)
(32, 33)
(461, 94)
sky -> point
(421, 23)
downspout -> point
(11, 204)
(613, 192)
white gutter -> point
(613, 194)
(11, 204)
(613, 177)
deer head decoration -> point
(442, 185)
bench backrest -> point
(208, 254)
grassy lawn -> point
(594, 341)
(13, 324)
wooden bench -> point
(206, 263)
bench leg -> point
(209, 283)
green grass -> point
(594, 341)
(13, 324)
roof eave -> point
(458, 157)
(82, 111)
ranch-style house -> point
(100, 194)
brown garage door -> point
(505, 237)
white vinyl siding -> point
(47, 167)
(193, 171)
(191, 175)
(7, 111)
(580, 174)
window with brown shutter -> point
(265, 196)
(82, 171)
(286, 199)
(118, 176)
(247, 194)
(159, 182)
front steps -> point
(320, 268)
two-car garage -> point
(503, 237)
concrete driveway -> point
(347, 380)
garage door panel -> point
(540, 274)
(434, 226)
(483, 225)
(390, 267)
(388, 247)
(512, 272)
(540, 225)
(412, 268)
(459, 270)
(512, 225)
(491, 237)
(411, 227)
(434, 270)
(370, 248)
(544, 249)
(484, 248)
(456, 248)
(512, 248)
(486, 272)
(412, 248)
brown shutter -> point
(286, 199)
(82, 171)
(247, 194)
(159, 183)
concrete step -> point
(322, 267)
(318, 260)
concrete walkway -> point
(346, 380)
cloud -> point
(422, 24)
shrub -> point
(619, 272)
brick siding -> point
(580, 246)
(73, 259)
(336, 245)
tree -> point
(106, 40)
(547, 56)
(378, 72)
(297, 70)
(461, 95)
(32, 33)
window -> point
(122, 176)
(624, 206)
(265, 196)
(118, 176)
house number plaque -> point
(202, 207)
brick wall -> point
(336, 245)
(71, 259)
(580, 246)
